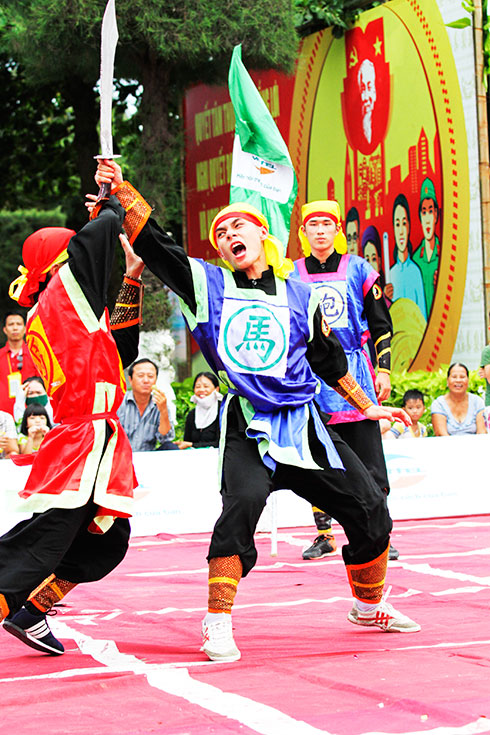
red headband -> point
(320, 214)
(243, 215)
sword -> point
(109, 36)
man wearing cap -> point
(428, 253)
(255, 328)
(80, 488)
(352, 303)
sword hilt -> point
(105, 189)
(104, 193)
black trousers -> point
(58, 541)
(352, 497)
(364, 437)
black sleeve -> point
(189, 425)
(167, 261)
(127, 341)
(325, 353)
(380, 324)
(91, 253)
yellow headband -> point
(272, 245)
(328, 208)
(17, 286)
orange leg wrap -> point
(224, 574)
(52, 590)
(4, 608)
(367, 580)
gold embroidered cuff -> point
(128, 309)
(137, 209)
(351, 391)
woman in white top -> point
(458, 411)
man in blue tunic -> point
(353, 305)
(256, 330)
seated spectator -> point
(143, 412)
(458, 411)
(34, 427)
(414, 405)
(202, 422)
(32, 391)
(8, 435)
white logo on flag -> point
(272, 180)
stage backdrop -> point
(377, 120)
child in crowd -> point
(414, 405)
(34, 427)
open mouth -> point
(238, 248)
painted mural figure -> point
(366, 80)
(428, 253)
(352, 231)
(405, 276)
(371, 251)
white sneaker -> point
(385, 617)
(217, 638)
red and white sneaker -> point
(385, 617)
(217, 638)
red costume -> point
(11, 377)
(77, 357)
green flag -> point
(262, 173)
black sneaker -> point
(393, 553)
(34, 631)
(322, 546)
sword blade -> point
(109, 38)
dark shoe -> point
(34, 631)
(322, 546)
(393, 554)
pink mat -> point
(132, 663)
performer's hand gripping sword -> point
(109, 36)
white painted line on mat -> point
(444, 573)
(177, 682)
(482, 724)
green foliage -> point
(36, 134)
(157, 310)
(15, 227)
(431, 384)
(183, 392)
(313, 15)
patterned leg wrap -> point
(4, 608)
(367, 580)
(224, 574)
(52, 590)
(323, 521)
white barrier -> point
(179, 491)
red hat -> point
(41, 251)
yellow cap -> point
(322, 208)
(272, 245)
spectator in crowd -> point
(414, 405)
(34, 427)
(202, 422)
(143, 412)
(32, 391)
(458, 411)
(15, 361)
(8, 435)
